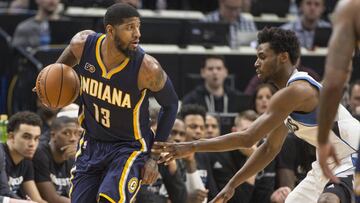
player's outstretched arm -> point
(281, 105)
(72, 53)
(256, 162)
(337, 70)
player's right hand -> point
(326, 151)
(173, 150)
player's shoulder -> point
(151, 74)
(80, 37)
(150, 65)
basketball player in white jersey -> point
(344, 39)
(292, 108)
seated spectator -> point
(171, 183)
(212, 125)
(309, 19)
(198, 163)
(54, 160)
(262, 97)
(24, 129)
(226, 164)
(5, 194)
(214, 95)
(229, 11)
(34, 32)
(354, 99)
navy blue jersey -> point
(112, 106)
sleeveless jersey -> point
(346, 129)
(112, 107)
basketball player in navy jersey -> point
(344, 39)
(293, 107)
(117, 76)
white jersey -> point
(346, 129)
(344, 136)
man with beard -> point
(294, 108)
(34, 31)
(117, 76)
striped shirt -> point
(306, 37)
(242, 24)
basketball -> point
(57, 85)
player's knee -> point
(328, 198)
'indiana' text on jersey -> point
(112, 106)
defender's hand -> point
(324, 152)
(225, 195)
(150, 172)
(173, 150)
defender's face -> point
(127, 35)
(266, 63)
(25, 140)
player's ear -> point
(284, 56)
(109, 30)
(10, 135)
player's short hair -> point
(281, 40)
(192, 109)
(23, 117)
(212, 56)
(250, 115)
(116, 13)
(58, 122)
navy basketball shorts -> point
(108, 171)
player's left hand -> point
(225, 195)
(150, 172)
(326, 151)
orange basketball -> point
(57, 85)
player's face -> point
(177, 133)
(267, 62)
(212, 127)
(195, 127)
(262, 100)
(25, 140)
(312, 9)
(127, 35)
(214, 72)
(68, 134)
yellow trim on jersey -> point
(106, 197)
(81, 116)
(124, 175)
(81, 143)
(106, 74)
(136, 122)
(137, 190)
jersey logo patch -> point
(291, 125)
(89, 67)
(133, 184)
